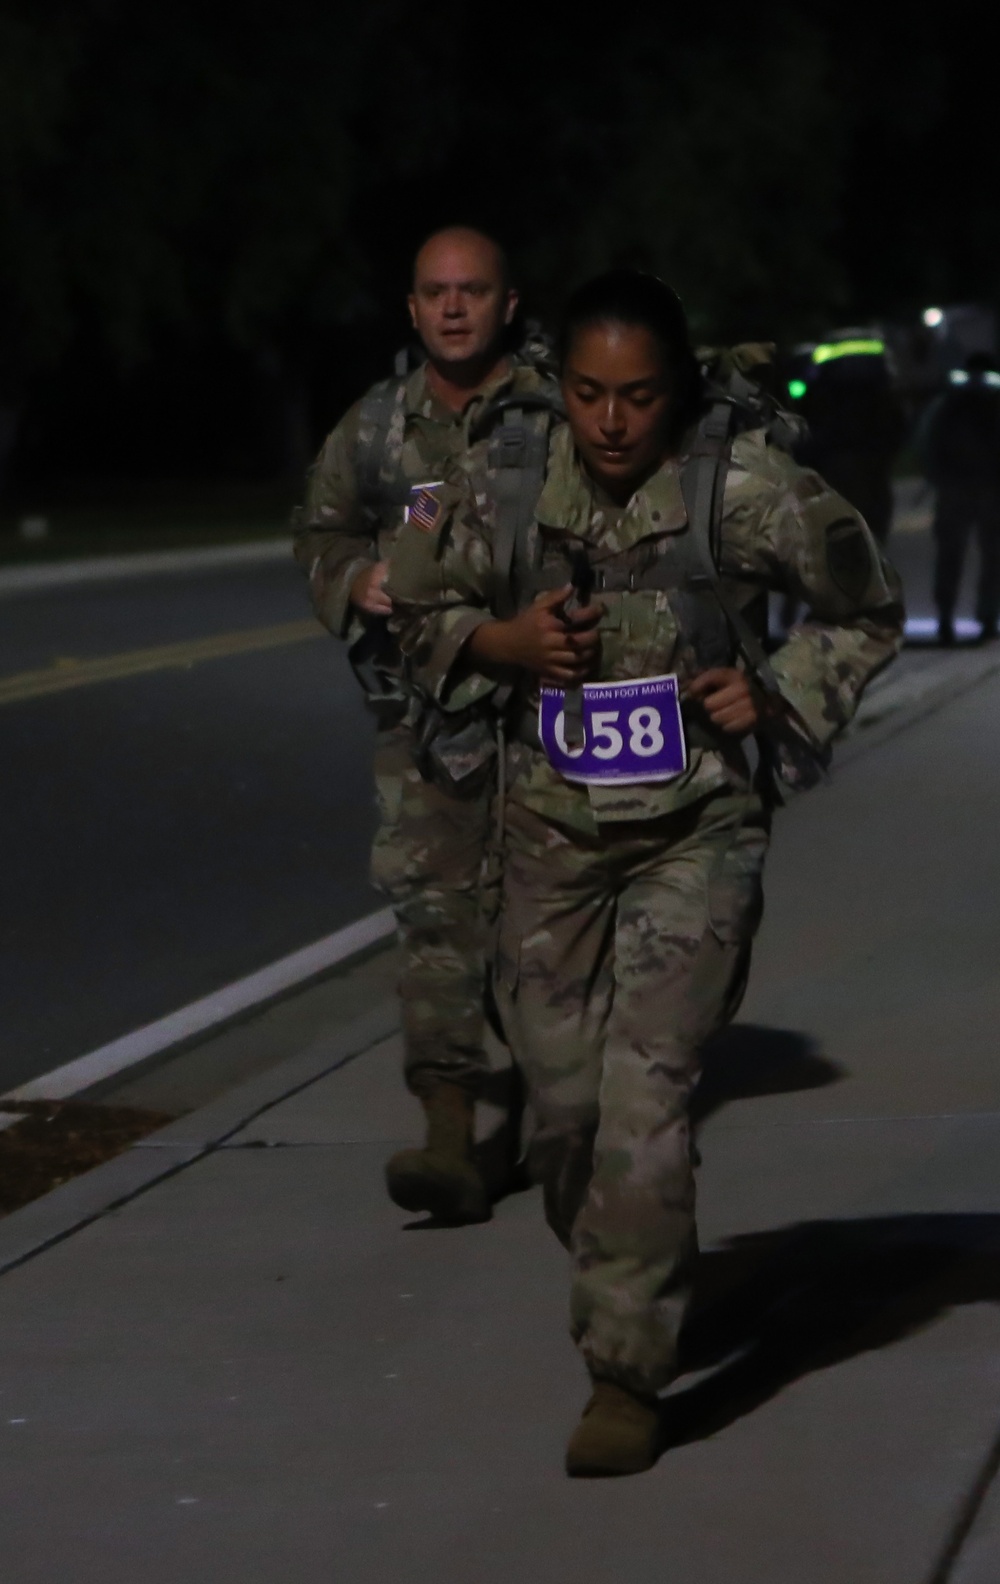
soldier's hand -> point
(367, 592)
(730, 699)
(559, 649)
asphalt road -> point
(186, 796)
(169, 829)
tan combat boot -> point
(619, 1433)
(442, 1178)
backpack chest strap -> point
(669, 565)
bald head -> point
(487, 253)
(461, 299)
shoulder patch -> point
(848, 556)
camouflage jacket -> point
(337, 535)
(782, 529)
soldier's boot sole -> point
(448, 1189)
(619, 1433)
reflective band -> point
(839, 349)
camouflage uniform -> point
(629, 912)
(428, 855)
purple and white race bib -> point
(633, 732)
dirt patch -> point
(56, 1140)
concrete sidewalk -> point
(246, 1366)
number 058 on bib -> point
(633, 732)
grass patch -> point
(56, 1140)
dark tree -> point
(173, 181)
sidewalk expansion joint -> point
(306, 1144)
(201, 1152)
(876, 1120)
(966, 1516)
(231, 1145)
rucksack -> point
(738, 401)
(517, 426)
(743, 374)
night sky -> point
(206, 224)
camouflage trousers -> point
(617, 957)
(429, 859)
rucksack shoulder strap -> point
(518, 459)
(379, 449)
(703, 485)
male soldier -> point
(959, 442)
(471, 400)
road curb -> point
(42, 577)
(209, 1015)
(58, 1215)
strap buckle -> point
(512, 443)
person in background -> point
(856, 423)
(958, 441)
(855, 426)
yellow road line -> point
(64, 674)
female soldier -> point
(634, 831)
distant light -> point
(927, 626)
(991, 377)
(797, 389)
(957, 377)
(839, 349)
(933, 317)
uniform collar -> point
(568, 501)
(421, 402)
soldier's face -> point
(618, 400)
(460, 301)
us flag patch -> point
(425, 509)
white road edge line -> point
(212, 1010)
(39, 576)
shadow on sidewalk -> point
(747, 1060)
(743, 1061)
(774, 1306)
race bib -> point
(633, 732)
